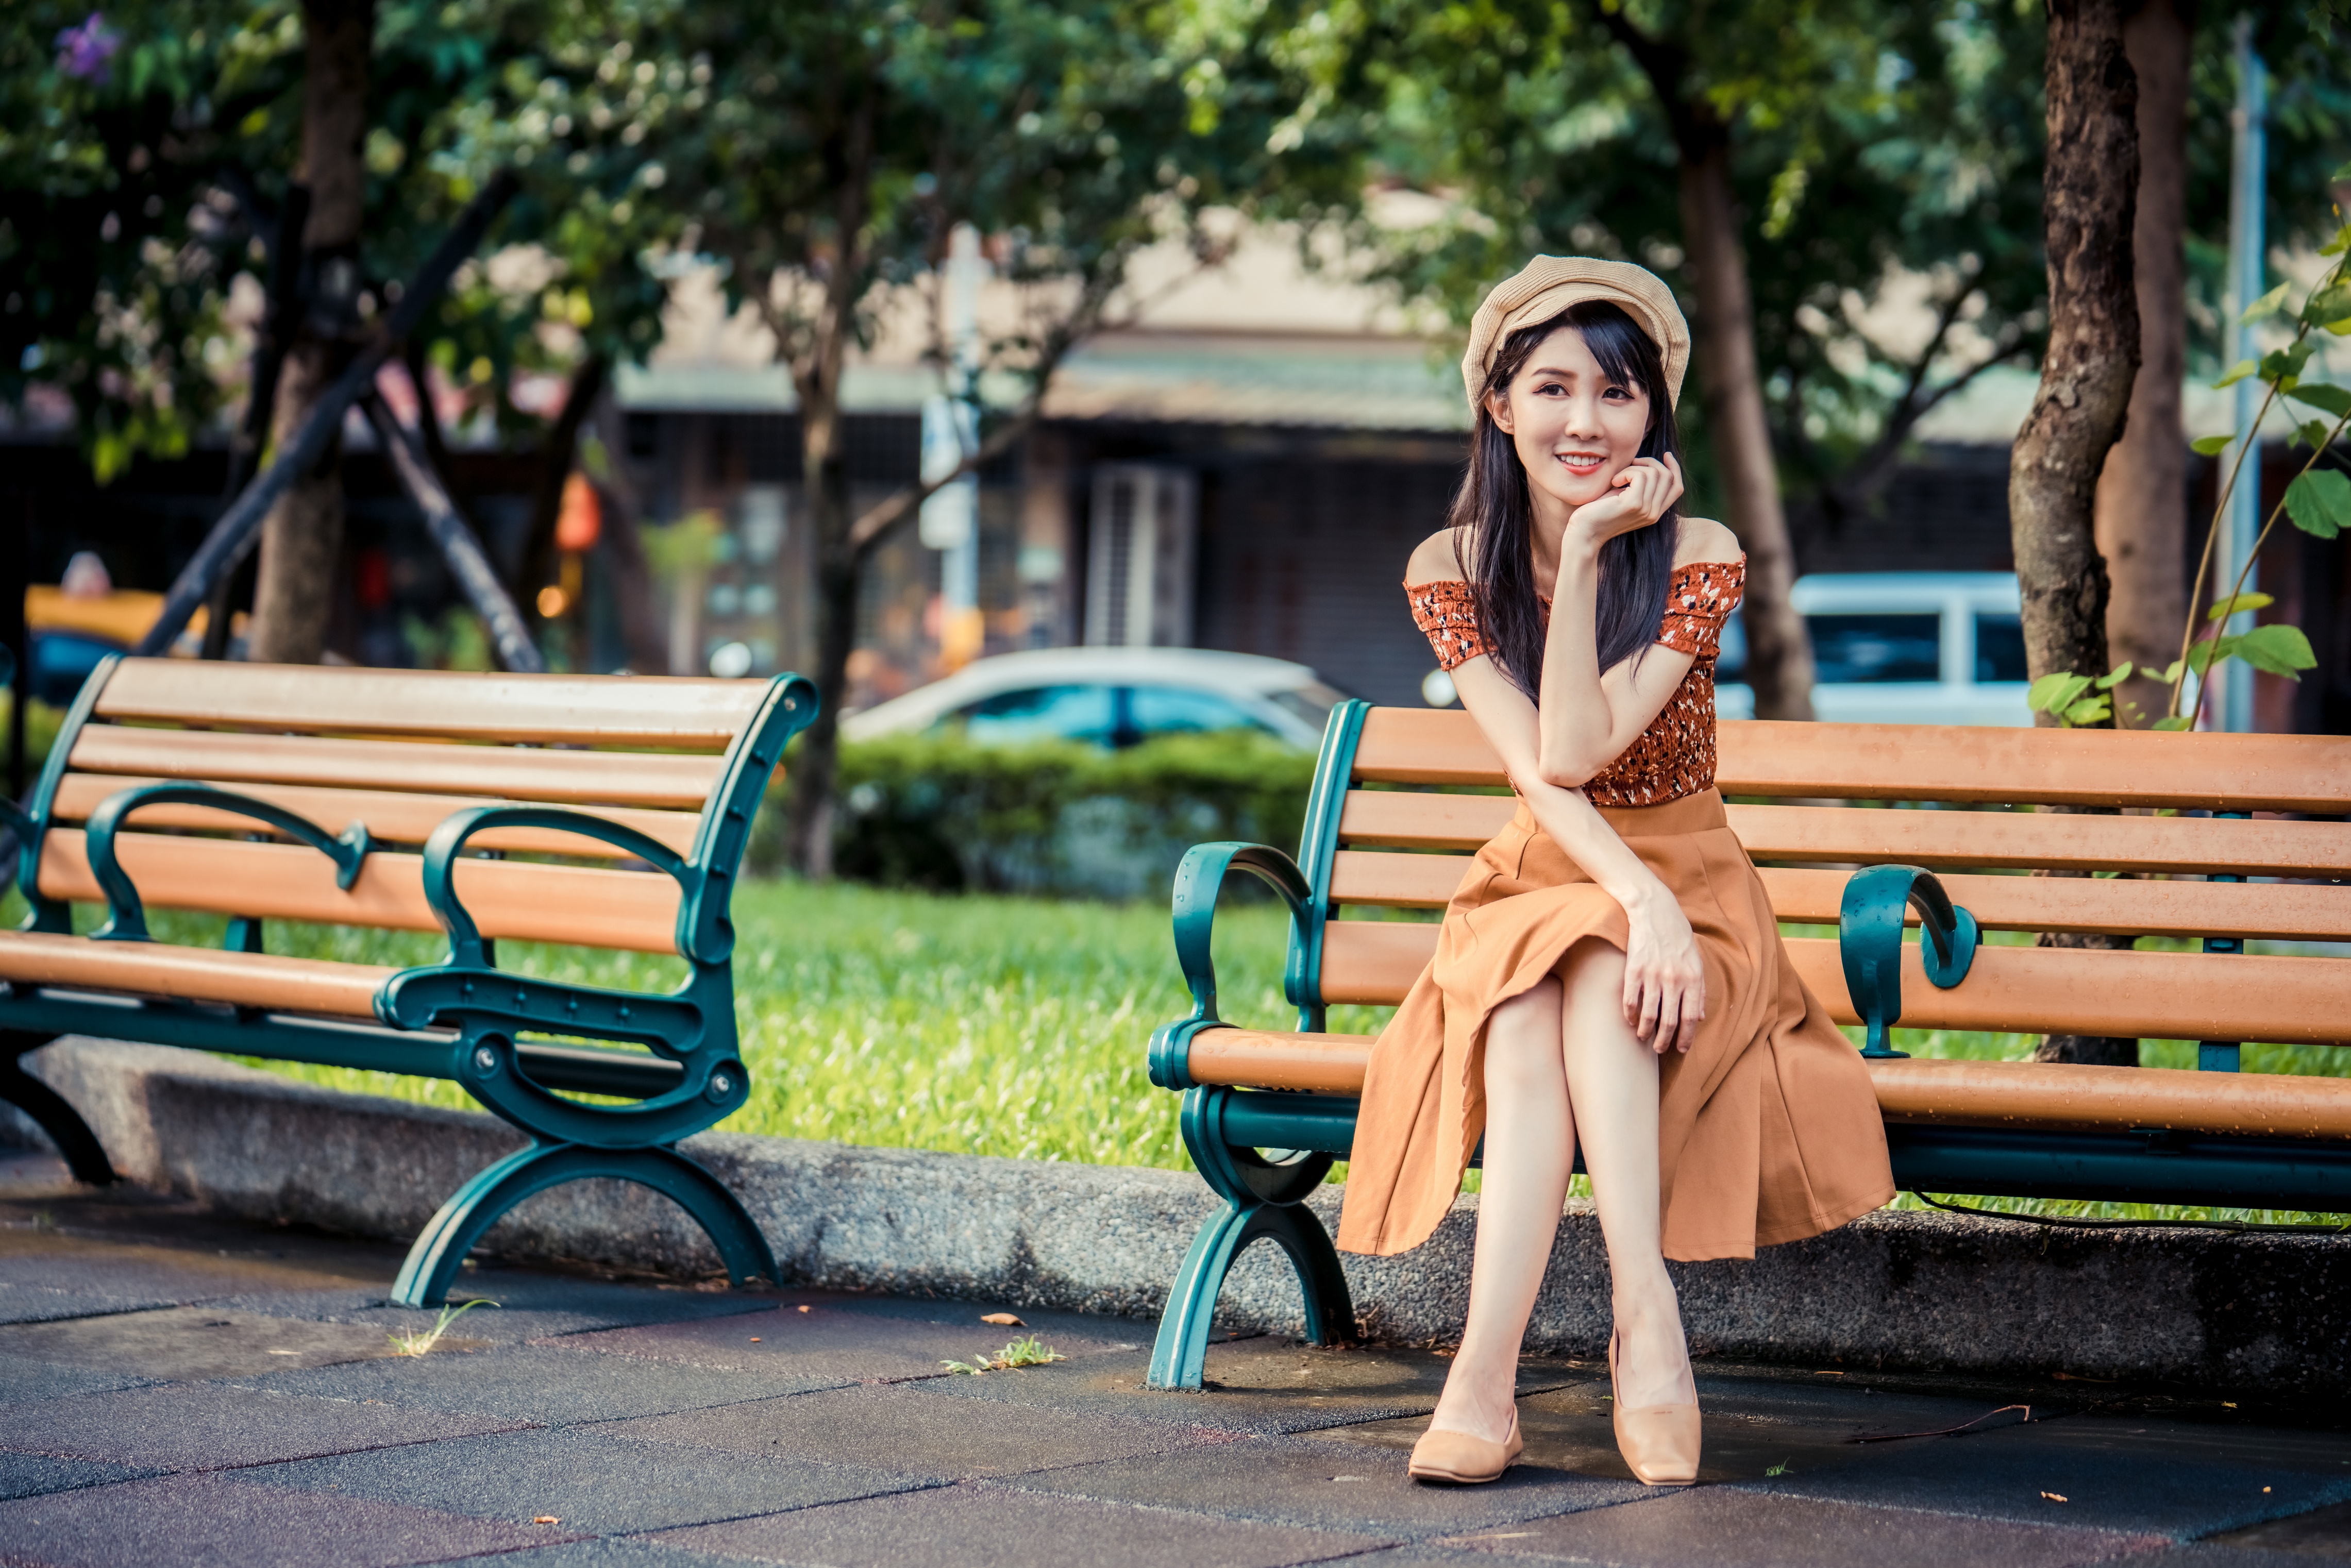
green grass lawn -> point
(994, 1025)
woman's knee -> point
(1593, 963)
(1522, 1035)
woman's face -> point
(1575, 429)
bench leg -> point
(84, 1155)
(1180, 1353)
(439, 1251)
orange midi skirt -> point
(1768, 1130)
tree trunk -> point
(824, 462)
(2086, 377)
(2142, 507)
(1778, 653)
(302, 538)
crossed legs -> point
(1560, 1061)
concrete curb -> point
(1894, 1291)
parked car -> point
(1110, 697)
(1901, 647)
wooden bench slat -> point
(2162, 996)
(392, 818)
(2122, 908)
(2116, 906)
(199, 974)
(1931, 762)
(584, 905)
(2033, 840)
(1848, 834)
(698, 715)
(617, 778)
(2052, 1094)
(2157, 996)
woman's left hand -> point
(1639, 495)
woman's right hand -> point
(1665, 979)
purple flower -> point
(84, 51)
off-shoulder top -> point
(1674, 756)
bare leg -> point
(1612, 1081)
(1530, 1152)
(1560, 1059)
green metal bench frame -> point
(1264, 1152)
(459, 1019)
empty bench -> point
(2230, 837)
(410, 801)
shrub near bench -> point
(1266, 1111)
(395, 800)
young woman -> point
(1609, 969)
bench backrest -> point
(1810, 802)
(683, 761)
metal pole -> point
(2248, 272)
(476, 578)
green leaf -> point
(2176, 721)
(2266, 305)
(2210, 445)
(2236, 374)
(2278, 650)
(2089, 710)
(2223, 609)
(2170, 673)
(2115, 676)
(2335, 399)
(2340, 175)
(2338, 244)
(2283, 365)
(2329, 304)
(2319, 502)
(2313, 433)
(2204, 655)
(2055, 691)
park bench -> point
(2254, 844)
(410, 801)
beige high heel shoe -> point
(1660, 1442)
(1464, 1459)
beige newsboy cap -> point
(1549, 285)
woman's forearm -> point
(1573, 719)
(1576, 826)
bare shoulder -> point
(1704, 540)
(1436, 560)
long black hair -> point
(1493, 515)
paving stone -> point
(610, 1553)
(2020, 1473)
(2320, 1533)
(193, 1342)
(23, 1382)
(534, 1305)
(1753, 1429)
(2319, 1453)
(1329, 1486)
(217, 1522)
(30, 1475)
(983, 1526)
(910, 1433)
(543, 1387)
(205, 1425)
(594, 1483)
(2204, 1556)
(1265, 1384)
(47, 1272)
(1719, 1527)
(829, 1341)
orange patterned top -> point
(1674, 756)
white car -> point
(1901, 647)
(1109, 696)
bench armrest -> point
(1198, 881)
(127, 917)
(1869, 941)
(441, 852)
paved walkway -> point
(175, 1389)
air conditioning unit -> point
(1139, 561)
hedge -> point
(936, 811)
